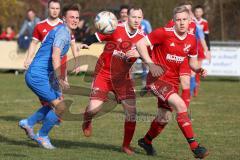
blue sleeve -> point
(61, 38)
(148, 27)
(199, 32)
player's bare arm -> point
(30, 53)
(193, 62)
(143, 52)
(56, 61)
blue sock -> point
(38, 116)
(192, 84)
(49, 121)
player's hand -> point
(209, 56)
(133, 53)
(203, 72)
(26, 63)
(156, 70)
(77, 69)
(63, 84)
(83, 46)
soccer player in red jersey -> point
(198, 13)
(112, 74)
(186, 75)
(171, 46)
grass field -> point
(215, 113)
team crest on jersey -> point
(119, 39)
(186, 48)
(191, 30)
(172, 44)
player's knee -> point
(181, 107)
(185, 83)
(60, 108)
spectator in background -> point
(82, 31)
(8, 34)
(123, 13)
(25, 34)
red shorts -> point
(121, 87)
(200, 51)
(162, 88)
(185, 69)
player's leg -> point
(157, 126)
(162, 89)
(185, 125)
(91, 110)
(52, 118)
(28, 123)
(185, 73)
(129, 106)
(99, 93)
(185, 85)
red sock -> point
(129, 128)
(185, 125)
(155, 129)
(197, 77)
(186, 96)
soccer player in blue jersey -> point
(44, 78)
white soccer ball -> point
(106, 22)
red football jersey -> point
(42, 29)
(204, 25)
(191, 28)
(113, 60)
(170, 50)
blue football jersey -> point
(58, 37)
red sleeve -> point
(11, 37)
(206, 28)
(170, 24)
(36, 34)
(193, 48)
(157, 36)
(103, 37)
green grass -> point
(215, 114)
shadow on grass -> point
(15, 155)
(9, 141)
(11, 118)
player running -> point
(43, 77)
(186, 76)
(198, 13)
(171, 46)
(112, 74)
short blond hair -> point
(179, 9)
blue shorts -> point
(43, 85)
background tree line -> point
(223, 15)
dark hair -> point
(186, 3)
(124, 6)
(54, 1)
(133, 8)
(198, 7)
(31, 10)
(72, 7)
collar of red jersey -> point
(178, 36)
(51, 24)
